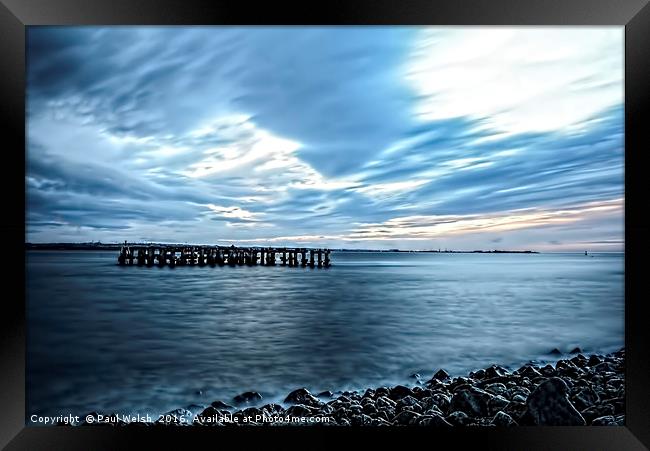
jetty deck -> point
(171, 255)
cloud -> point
(327, 134)
(518, 80)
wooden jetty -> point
(172, 255)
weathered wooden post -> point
(304, 258)
(320, 258)
(327, 258)
(121, 260)
(311, 258)
(284, 257)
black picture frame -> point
(16, 15)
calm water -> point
(148, 340)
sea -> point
(139, 340)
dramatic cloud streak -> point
(357, 137)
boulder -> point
(298, 410)
(437, 400)
(502, 419)
(496, 371)
(496, 389)
(593, 412)
(585, 397)
(549, 405)
(605, 421)
(249, 396)
(458, 418)
(472, 401)
(496, 404)
(408, 403)
(406, 417)
(528, 371)
(400, 391)
(221, 405)
(441, 375)
(432, 420)
(302, 396)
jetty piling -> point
(172, 256)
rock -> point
(382, 391)
(496, 404)
(473, 402)
(379, 422)
(405, 417)
(248, 396)
(605, 421)
(362, 420)
(383, 401)
(432, 420)
(585, 397)
(593, 412)
(302, 396)
(458, 418)
(441, 375)
(580, 361)
(496, 371)
(399, 392)
(272, 408)
(422, 393)
(496, 389)
(575, 351)
(221, 405)
(479, 374)
(519, 398)
(369, 409)
(529, 372)
(515, 409)
(298, 410)
(408, 403)
(604, 367)
(548, 405)
(437, 400)
(594, 360)
(547, 371)
(502, 419)
(325, 394)
(370, 393)
(208, 416)
(555, 351)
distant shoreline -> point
(117, 247)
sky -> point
(355, 137)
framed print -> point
(305, 221)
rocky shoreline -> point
(581, 390)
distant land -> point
(94, 246)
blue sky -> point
(358, 137)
